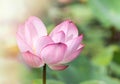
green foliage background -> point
(99, 22)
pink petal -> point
(23, 43)
(58, 37)
(73, 44)
(58, 67)
(73, 56)
(23, 46)
(53, 53)
(41, 43)
(20, 31)
(68, 27)
(34, 28)
(37, 25)
(31, 31)
(32, 60)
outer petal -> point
(34, 28)
(73, 45)
(68, 27)
(53, 53)
(38, 26)
(20, 31)
(31, 30)
(32, 60)
(73, 56)
(23, 46)
(41, 43)
(58, 37)
(58, 67)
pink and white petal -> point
(58, 67)
(23, 46)
(41, 43)
(73, 44)
(53, 53)
(68, 27)
(80, 46)
(38, 26)
(32, 60)
(20, 31)
(30, 33)
(24, 34)
(61, 27)
(58, 37)
(34, 28)
(72, 30)
(73, 56)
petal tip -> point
(81, 46)
(32, 18)
(81, 35)
(68, 21)
(59, 67)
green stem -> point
(44, 74)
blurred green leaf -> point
(110, 80)
(105, 80)
(116, 57)
(80, 13)
(28, 74)
(98, 72)
(39, 81)
(108, 12)
(104, 57)
(93, 82)
(115, 69)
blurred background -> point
(97, 20)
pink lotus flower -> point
(38, 48)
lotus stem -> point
(44, 74)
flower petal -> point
(37, 25)
(20, 31)
(53, 53)
(41, 43)
(73, 56)
(32, 60)
(21, 37)
(68, 27)
(23, 46)
(31, 31)
(58, 67)
(73, 45)
(58, 37)
(34, 28)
